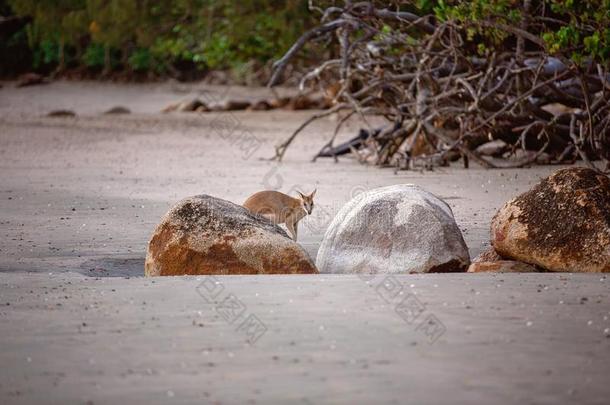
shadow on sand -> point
(113, 267)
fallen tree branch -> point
(427, 76)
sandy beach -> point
(80, 197)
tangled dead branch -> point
(442, 99)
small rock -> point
(495, 148)
(186, 106)
(279, 102)
(191, 105)
(502, 266)
(235, 105)
(261, 105)
(30, 79)
(489, 255)
(230, 105)
(118, 110)
(61, 113)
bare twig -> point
(423, 77)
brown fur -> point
(281, 208)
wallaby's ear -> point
(301, 194)
(313, 193)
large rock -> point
(395, 229)
(207, 235)
(562, 224)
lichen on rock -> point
(208, 235)
(562, 224)
(394, 229)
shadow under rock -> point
(113, 267)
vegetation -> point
(156, 36)
(449, 76)
(198, 35)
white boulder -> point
(395, 229)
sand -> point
(79, 198)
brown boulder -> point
(207, 235)
(562, 224)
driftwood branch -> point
(441, 98)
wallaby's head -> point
(307, 201)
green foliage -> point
(149, 35)
(152, 35)
(58, 20)
(48, 52)
(94, 55)
(587, 29)
(471, 13)
(576, 29)
(140, 60)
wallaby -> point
(281, 208)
